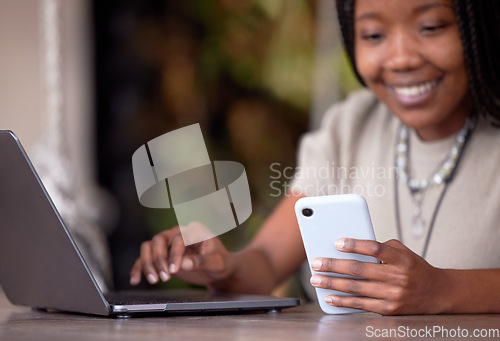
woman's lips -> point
(414, 94)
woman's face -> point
(409, 53)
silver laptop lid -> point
(40, 265)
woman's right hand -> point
(165, 255)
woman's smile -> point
(416, 93)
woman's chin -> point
(417, 120)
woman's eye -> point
(432, 28)
(373, 38)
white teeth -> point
(416, 90)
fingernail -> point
(315, 281)
(164, 276)
(316, 264)
(152, 279)
(133, 281)
(329, 299)
(339, 244)
(187, 264)
(173, 268)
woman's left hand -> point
(404, 283)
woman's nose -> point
(402, 53)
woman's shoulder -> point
(358, 101)
(360, 112)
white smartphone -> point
(322, 221)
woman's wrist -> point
(229, 281)
(248, 272)
(446, 296)
(470, 291)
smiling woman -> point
(426, 118)
(431, 83)
(455, 50)
(411, 57)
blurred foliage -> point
(257, 43)
(242, 64)
(243, 69)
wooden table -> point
(305, 322)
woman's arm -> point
(473, 291)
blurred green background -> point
(256, 74)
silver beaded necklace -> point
(418, 187)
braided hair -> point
(480, 35)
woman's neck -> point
(449, 126)
(441, 131)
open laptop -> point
(41, 267)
